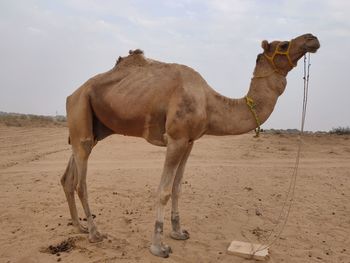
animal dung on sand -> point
(248, 250)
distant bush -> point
(60, 118)
(340, 131)
(30, 120)
(281, 131)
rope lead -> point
(291, 189)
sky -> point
(49, 48)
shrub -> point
(31, 120)
(340, 131)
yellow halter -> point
(251, 104)
(278, 52)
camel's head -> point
(284, 55)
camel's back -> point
(137, 92)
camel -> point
(168, 105)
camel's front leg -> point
(177, 232)
(175, 152)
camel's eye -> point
(284, 45)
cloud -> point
(34, 30)
(52, 47)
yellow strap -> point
(267, 75)
(278, 52)
(251, 105)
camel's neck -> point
(233, 116)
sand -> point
(234, 188)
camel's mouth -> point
(312, 44)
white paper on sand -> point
(246, 250)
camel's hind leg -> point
(69, 182)
(82, 151)
(177, 231)
(80, 123)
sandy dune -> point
(233, 189)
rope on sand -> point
(287, 204)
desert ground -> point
(234, 188)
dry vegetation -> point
(340, 131)
(30, 120)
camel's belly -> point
(148, 126)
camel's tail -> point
(80, 112)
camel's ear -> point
(265, 45)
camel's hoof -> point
(161, 250)
(83, 229)
(96, 237)
(181, 235)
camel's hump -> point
(136, 51)
(135, 58)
